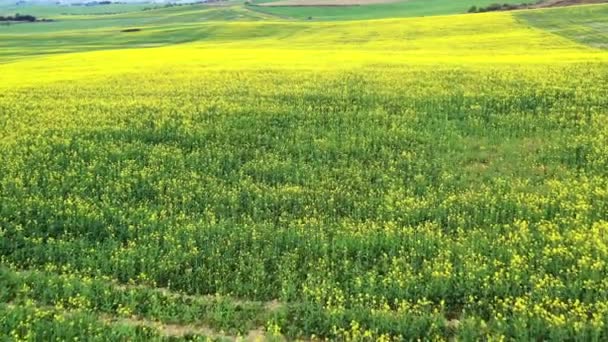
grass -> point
(434, 178)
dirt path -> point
(181, 330)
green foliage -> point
(497, 7)
(19, 17)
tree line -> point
(19, 17)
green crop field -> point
(226, 174)
(50, 11)
(586, 24)
(401, 8)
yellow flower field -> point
(432, 178)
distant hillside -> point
(371, 9)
